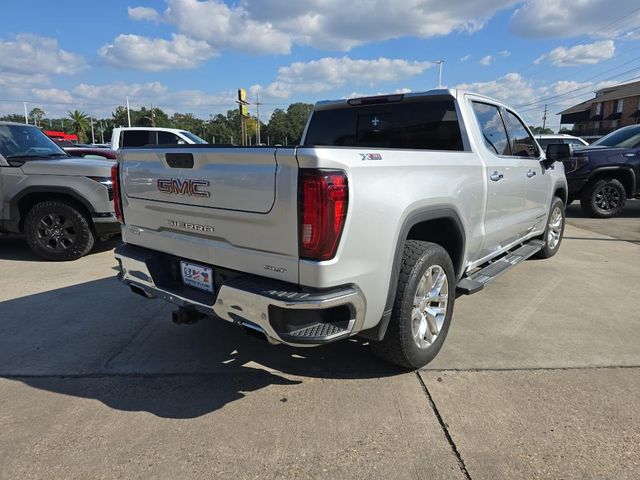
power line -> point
(584, 87)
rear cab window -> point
(412, 123)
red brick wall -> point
(629, 107)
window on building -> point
(598, 108)
(615, 123)
(619, 104)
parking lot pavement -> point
(96, 381)
(624, 227)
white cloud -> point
(134, 51)
(525, 95)
(504, 53)
(587, 54)
(52, 95)
(486, 60)
(27, 54)
(227, 27)
(273, 26)
(571, 18)
(511, 89)
(143, 14)
(465, 58)
(330, 73)
(101, 100)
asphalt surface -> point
(538, 378)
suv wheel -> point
(423, 307)
(554, 231)
(56, 230)
(603, 198)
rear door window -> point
(168, 138)
(522, 144)
(426, 125)
(492, 128)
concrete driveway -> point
(539, 378)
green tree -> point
(287, 127)
(151, 117)
(540, 130)
(79, 123)
(37, 114)
(13, 117)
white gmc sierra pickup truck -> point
(389, 208)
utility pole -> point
(128, 112)
(26, 117)
(153, 117)
(258, 139)
(544, 117)
(93, 137)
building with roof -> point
(612, 107)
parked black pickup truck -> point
(603, 175)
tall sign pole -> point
(26, 117)
(244, 114)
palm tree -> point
(37, 114)
(79, 123)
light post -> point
(439, 63)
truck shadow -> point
(631, 210)
(97, 340)
(15, 248)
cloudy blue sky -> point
(192, 55)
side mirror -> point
(557, 152)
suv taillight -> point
(115, 182)
(323, 200)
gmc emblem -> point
(183, 187)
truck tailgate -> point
(230, 207)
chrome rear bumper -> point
(273, 308)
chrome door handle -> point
(531, 173)
(496, 177)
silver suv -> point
(391, 207)
(60, 203)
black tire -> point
(398, 345)
(550, 246)
(603, 198)
(58, 231)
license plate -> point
(197, 276)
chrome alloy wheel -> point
(608, 198)
(429, 306)
(554, 229)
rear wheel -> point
(423, 307)
(603, 198)
(58, 231)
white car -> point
(128, 137)
(548, 139)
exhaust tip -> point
(140, 291)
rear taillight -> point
(323, 200)
(115, 182)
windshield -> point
(628, 137)
(193, 137)
(24, 141)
